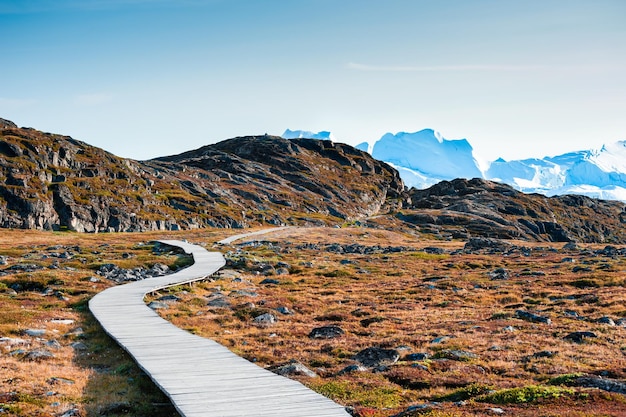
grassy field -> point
(476, 333)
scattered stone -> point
(416, 357)
(371, 320)
(269, 281)
(499, 274)
(13, 341)
(509, 329)
(266, 319)
(35, 332)
(58, 380)
(170, 298)
(532, 317)
(243, 293)
(434, 250)
(326, 332)
(114, 273)
(455, 355)
(72, 412)
(282, 271)
(373, 357)
(351, 369)
(496, 410)
(38, 355)
(53, 344)
(62, 321)
(578, 268)
(579, 337)
(482, 243)
(284, 310)
(293, 367)
(77, 331)
(157, 305)
(79, 346)
(218, 301)
(605, 384)
(606, 320)
(621, 322)
(3, 260)
(571, 246)
(24, 268)
(440, 339)
(417, 409)
(540, 355)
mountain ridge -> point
(55, 182)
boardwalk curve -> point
(201, 377)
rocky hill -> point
(54, 182)
(467, 208)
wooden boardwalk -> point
(200, 376)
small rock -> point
(532, 317)
(371, 320)
(79, 346)
(269, 281)
(496, 410)
(499, 274)
(455, 354)
(157, 305)
(373, 357)
(72, 412)
(58, 380)
(62, 321)
(579, 337)
(13, 341)
(170, 298)
(440, 339)
(266, 319)
(416, 357)
(326, 332)
(38, 355)
(218, 301)
(53, 344)
(284, 310)
(35, 332)
(352, 368)
(244, 293)
(293, 368)
(606, 320)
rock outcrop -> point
(54, 182)
(471, 208)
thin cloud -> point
(437, 68)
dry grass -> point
(402, 300)
(411, 299)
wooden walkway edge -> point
(201, 377)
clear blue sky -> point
(146, 78)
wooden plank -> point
(201, 377)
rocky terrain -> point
(465, 208)
(54, 182)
